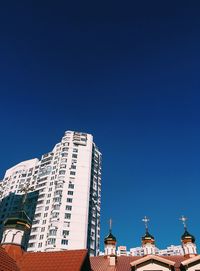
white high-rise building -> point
(64, 204)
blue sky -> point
(127, 73)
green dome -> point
(110, 237)
(187, 235)
(19, 220)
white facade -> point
(189, 248)
(169, 251)
(68, 185)
(122, 251)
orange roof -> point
(100, 263)
(12, 259)
(59, 260)
(67, 260)
(6, 262)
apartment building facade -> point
(64, 200)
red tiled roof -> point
(14, 251)
(124, 262)
(176, 259)
(6, 262)
(13, 258)
(67, 260)
(101, 263)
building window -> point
(70, 193)
(51, 241)
(42, 229)
(71, 186)
(64, 242)
(32, 237)
(74, 155)
(55, 215)
(69, 200)
(68, 207)
(67, 216)
(53, 232)
(40, 245)
(72, 172)
(65, 232)
(31, 244)
(41, 236)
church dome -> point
(187, 237)
(18, 220)
(110, 238)
(147, 236)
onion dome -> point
(148, 238)
(187, 237)
(110, 239)
(18, 220)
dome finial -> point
(184, 219)
(110, 225)
(25, 189)
(146, 220)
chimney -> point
(112, 260)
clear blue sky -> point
(127, 72)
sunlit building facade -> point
(64, 195)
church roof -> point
(101, 263)
(78, 260)
(68, 260)
(6, 262)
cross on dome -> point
(110, 224)
(25, 189)
(146, 220)
(183, 219)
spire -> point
(184, 219)
(110, 241)
(148, 237)
(146, 220)
(148, 242)
(188, 240)
(110, 225)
